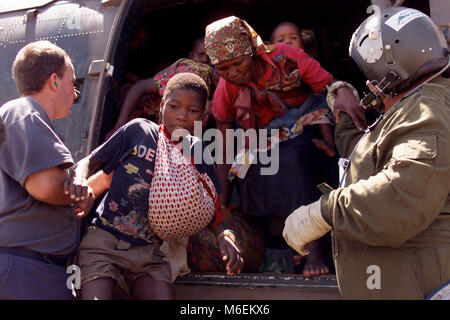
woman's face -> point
(239, 71)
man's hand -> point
(231, 253)
(304, 225)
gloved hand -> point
(304, 225)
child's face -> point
(288, 34)
(181, 108)
(198, 53)
(140, 38)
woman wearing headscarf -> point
(275, 87)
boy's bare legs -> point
(314, 263)
(98, 289)
(147, 288)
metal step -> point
(255, 286)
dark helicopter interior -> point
(172, 26)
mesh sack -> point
(181, 200)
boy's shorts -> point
(103, 255)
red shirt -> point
(287, 67)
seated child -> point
(289, 33)
(121, 245)
(143, 98)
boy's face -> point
(288, 34)
(181, 108)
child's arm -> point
(230, 251)
(145, 86)
(100, 182)
(327, 142)
(227, 240)
(219, 226)
(77, 185)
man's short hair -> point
(186, 80)
(35, 63)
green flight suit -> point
(391, 223)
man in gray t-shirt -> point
(39, 231)
(2, 133)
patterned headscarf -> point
(230, 38)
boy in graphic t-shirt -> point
(121, 244)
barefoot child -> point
(122, 244)
(289, 33)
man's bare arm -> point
(48, 186)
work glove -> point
(304, 225)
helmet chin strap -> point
(374, 99)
